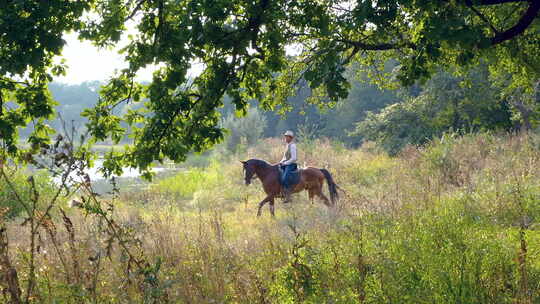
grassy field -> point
(453, 222)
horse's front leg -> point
(272, 207)
(261, 204)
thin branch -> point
(354, 51)
(377, 47)
(158, 34)
(1, 103)
(484, 18)
(135, 10)
(511, 13)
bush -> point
(186, 183)
(18, 179)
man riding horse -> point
(288, 164)
(276, 184)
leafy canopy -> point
(258, 49)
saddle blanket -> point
(292, 179)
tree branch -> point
(158, 34)
(493, 2)
(521, 26)
(255, 24)
(377, 47)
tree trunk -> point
(8, 275)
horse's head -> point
(249, 171)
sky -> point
(86, 62)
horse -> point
(311, 179)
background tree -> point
(247, 130)
(447, 102)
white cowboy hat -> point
(288, 133)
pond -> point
(128, 181)
(95, 175)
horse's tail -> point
(332, 187)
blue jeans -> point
(287, 169)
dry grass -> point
(455, 222)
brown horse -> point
(311, 179)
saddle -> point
(292, 179)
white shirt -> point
(291, 147)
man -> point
(288, 162)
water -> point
(95, 175)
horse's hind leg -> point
(317, 190)
(325, 199)
(311, 194)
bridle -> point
(248, 179)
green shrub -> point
(19, 188)
(186, 183)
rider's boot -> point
(287, 194)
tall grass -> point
(453, 222)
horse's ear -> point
(243, 162)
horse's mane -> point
(259, 162)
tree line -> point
(391, 117)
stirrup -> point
(286, 195)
